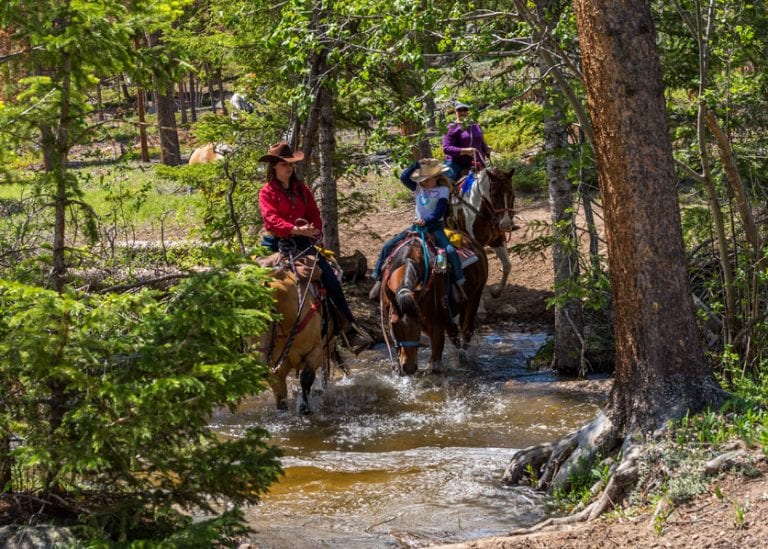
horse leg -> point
(312, 361)
(306, 378)
(437, 338)
(506, 266)
(469, 315)
(279, 387)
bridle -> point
(418, 292)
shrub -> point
(107, 402)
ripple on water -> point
(399, 461)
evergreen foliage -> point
(108, 401)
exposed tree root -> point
(559, 459)
(556, 461)
(548, 466)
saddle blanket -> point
(467, 257)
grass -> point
(131, 195)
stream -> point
(388, 461)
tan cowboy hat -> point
(282, 152)
(429, 167)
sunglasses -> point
(463, 109)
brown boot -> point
(375, 292)
(356, 339)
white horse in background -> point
(486, 212)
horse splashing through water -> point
(415, 298)
(298, 340)
(486, 212)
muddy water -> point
(387, 461)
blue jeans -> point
(438, 233)
(327, 278)
(455, 169)
(387, 249)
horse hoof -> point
(304, 410)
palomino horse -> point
(416, 298)
(209, 153)
(297, 341)
(487, 213)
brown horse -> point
(297, 341)
(486, 212)
(416, 298)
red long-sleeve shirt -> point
(280, 209)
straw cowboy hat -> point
(429, 167)
(282, 152)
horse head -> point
(403, 283)
(500, 194)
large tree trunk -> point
(569, 353)
(660, 369)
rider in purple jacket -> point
(463, 144)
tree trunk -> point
(99, 102)
(192, 98)
(568, 357)
(183, 102)
(220, 80)
(317, 65)
(142, 124)
(124, 88)
(170, 152)
(6, 465)
(58, 171)
(210, 87)
(660, 368)
(294, 130)
(329, 209)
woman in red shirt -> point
(292, 224)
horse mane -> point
(404, 300)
